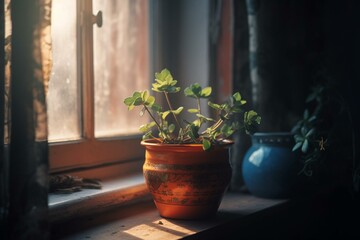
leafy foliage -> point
(308, 136)
(325, 136)
(229, 120)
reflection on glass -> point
(62, 99)
(120, 64)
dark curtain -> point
(282, 49)
(25, 68)
(241, 83)
(285, 51)
(2, 119)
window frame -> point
(90, 152)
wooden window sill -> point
(128, 213)
(114, 193)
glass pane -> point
(63, 100)
(121, 64)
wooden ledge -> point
(142, 221)
(114, 193)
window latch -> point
(98, 19)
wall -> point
(182, 42)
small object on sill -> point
(69, 184)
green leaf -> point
(196, 88)
(147, 127)
(298, 138)
(137, 94)
(156, 107)
(147, 135)
(165, 114)
(214, 106)
(306, 114)
(236, 108)
(193, 91)
(303, 130)
(129, 101)
(194, 131)
(197, 122)
(297, 146)
(312, 118)
(207, 119)
(150, 101)
(144, 95)
(134, 100)
(164, 82)
(138, 101)
(177, 111)
(171, 128)
(206, 92)
(164, 76)
(305, 146)
(171, 89)
(193, 110)
(237, 97)
(206, 144)
(226, 130)
(309, 133)
(225, 107)
(189, 93)
(251, 118)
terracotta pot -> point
(185, 181)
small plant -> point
(325, 132)
(231, 115)
(310, 138)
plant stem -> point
(199, 109)
(153, 118)
(217, 124)
(171, 109)
(199, 106)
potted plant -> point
(186, 165)
(325, 138)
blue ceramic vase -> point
(270, 168)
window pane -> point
(121, 64)
(63, 99)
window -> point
(94, 69)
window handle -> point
(98, 19)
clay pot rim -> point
(155, 143)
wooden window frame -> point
(90, 152)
